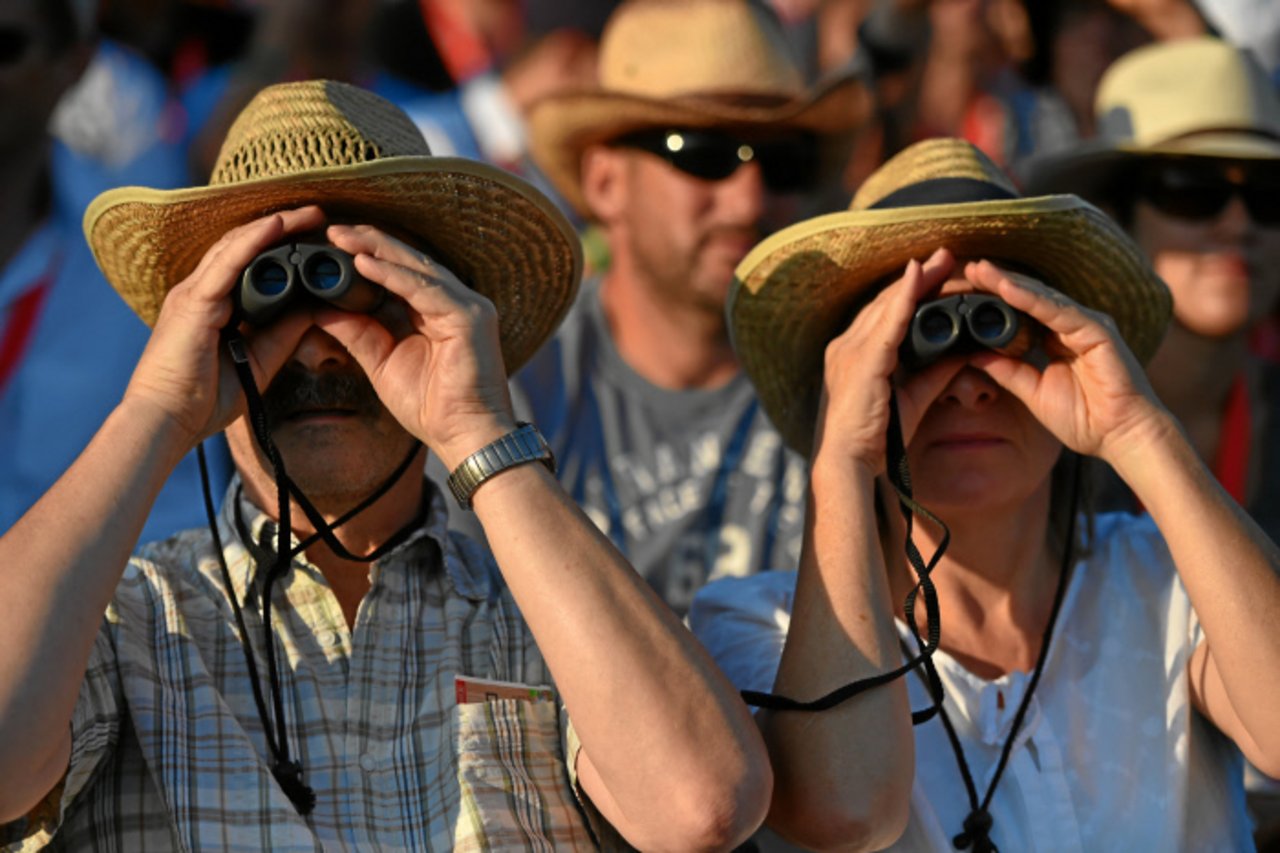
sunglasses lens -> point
(1187, 193)
(789, 165)
(703, 155)
(1263, 201)
(13, 45)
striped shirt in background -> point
(168, 750)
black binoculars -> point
(276, 278)
(966, 322)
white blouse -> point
(1111, 754)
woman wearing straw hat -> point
(1089, 668)
(1188, 160)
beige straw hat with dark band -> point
(1198, 97)
(361, 159)
(802, 286)
(687, 64)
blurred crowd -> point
(102, 93)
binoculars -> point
(278, 277)
(964, 323)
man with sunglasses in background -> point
(695, 144)
(67, 344)
(1188, 159)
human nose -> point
(1234, 222)
(971, 389)
(318, 351)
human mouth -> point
(300, 398)
(968, 441)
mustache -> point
(295, 390)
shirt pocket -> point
(515, 789)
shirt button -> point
(368, 763)
(328, 638)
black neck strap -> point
(287, 772)
(976, 831)
(900, 477)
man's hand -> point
(184, 373)
(438, 367)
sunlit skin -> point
(675, 240)
(337, 455)
(1224, 273)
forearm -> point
(665, 732)
(61, 562)
(1232, 575)
(843, 776)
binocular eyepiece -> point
(276, 278)
(965, 323)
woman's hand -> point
(437, 368)
(1092, 395)
(184, 371)
(853, 415)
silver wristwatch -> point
(521, 445)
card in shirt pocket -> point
(512, 777)
(470, 690)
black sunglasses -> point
(14, 43)
(1201, 191)
(788, 163)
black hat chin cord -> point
(287, 772)
(900, 477)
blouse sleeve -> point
(743, 623)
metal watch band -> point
(521, 445)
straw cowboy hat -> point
(687, 64)
(1198, 97)
(360, 158)
(802, 286)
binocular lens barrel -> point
(279, 276)
(958, 324)
(322, 273)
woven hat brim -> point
(497, 233)
(1093, 169)
(563, 126)
(802, 286)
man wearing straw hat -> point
(325, 666)
(690, 149)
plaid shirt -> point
(168, 750)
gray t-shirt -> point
(691, 485)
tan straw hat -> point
(360, 158)
(1198, 97)
(687, 64)
(802, 286)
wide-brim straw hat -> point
(802, 286)
(1198, 97)
(361, 159)
(688, 64)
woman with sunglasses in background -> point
(1188, 160)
